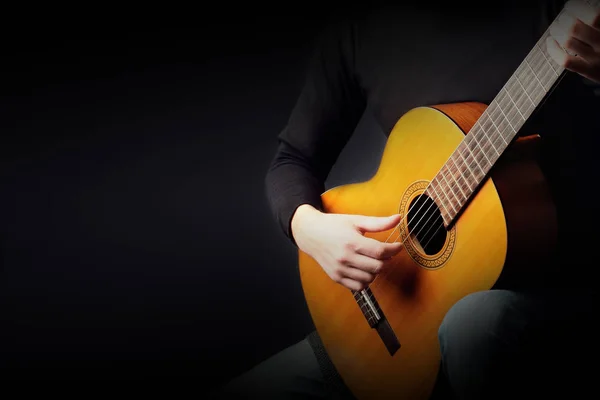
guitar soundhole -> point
(426, 225)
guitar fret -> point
(488, 125)
(516, 107)
(464, 188)
(522, 99)
(481, 151)
(464, 159)
(479, 172)
(533, 86)
(466, 176)
(440, 201)
(449, 189)
(461, 191)
(547, 72)
(510, 114)
(499, 118)
(489, 134)
(472, 168)
(536, 64)
(446, 182)
(482, 158)
(476, 154)
(544, 63)
(548, 60)
(499, 104)
(538, 92)
(494, 131)
(493, 156)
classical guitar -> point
(476, 214)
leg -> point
(500, 343)
(293, 373)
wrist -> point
(303, 213)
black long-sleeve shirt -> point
(392, 59)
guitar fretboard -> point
(496, 128)
(493, 132)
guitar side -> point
(499, 239)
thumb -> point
(376, 224)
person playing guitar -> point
(493, 342)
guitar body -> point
(500, 238)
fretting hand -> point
(574, 41)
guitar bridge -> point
(376, 319)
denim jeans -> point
(494, 344)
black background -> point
(136, 240)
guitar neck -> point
(497, 127)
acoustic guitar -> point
(476, 214)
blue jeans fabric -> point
(494, 344)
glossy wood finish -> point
(415, 299)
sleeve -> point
(322, 121)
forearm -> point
(324, 117)
(290, 182)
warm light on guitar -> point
(475, 214)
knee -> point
(290, 373)
(476, 339)
(478, 319)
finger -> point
(570, 62)
(586, 33)
(376, 249)
(375, 224)
(568, 29)
(352, 284)
(357, 274)
(368, 264)
(560, 29)
(578, 48)
(558, 54)
(569, 26)
(583, 11)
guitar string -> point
(552, 88)
(543, 100)
(441, 226)
(477, 122)
(559, 77)
(433, 204)
(514, 100)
